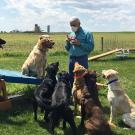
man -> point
(79, 44)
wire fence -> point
(22, 44)
(112, 41)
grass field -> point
(20, 119)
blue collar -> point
(112, 81)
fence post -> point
(102, 44)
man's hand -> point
(75, 42)
(68, 39)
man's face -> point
(75, 26)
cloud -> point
(23, 14)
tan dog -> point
(118, 99)
(79, 86)
(35, 64)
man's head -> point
(75, 24)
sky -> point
(95, 15)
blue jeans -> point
(82, 60)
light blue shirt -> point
(86, 43)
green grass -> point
(19, 120)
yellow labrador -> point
(119, 101)
(35, 64)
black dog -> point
(60, 103)
(90, 80)
(92, 92)
(2, 42)
(43, 94)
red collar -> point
(80, 76)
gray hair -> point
(75, 19)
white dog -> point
(35, 64)
(120, 103)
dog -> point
(43, 94)
(2, 42)
(35, 64)
(3, 93)
(84, 80)
(119, 101)
(60, 103)
(96, 124)
(92, 85)
(79, 85)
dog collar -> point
(80, 76)
(112, 81)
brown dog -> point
(3, 93)
(96, 123)
(85, 80)
(85, 92)
(35, 64)
(79, 86)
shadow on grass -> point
(68, 131)
(121, 124)
(44, 125)
(8, 117)
(21, 105)
(114, 133)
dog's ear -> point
(41, 37)
(57, 63)
(107, 74)
(47, 37)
